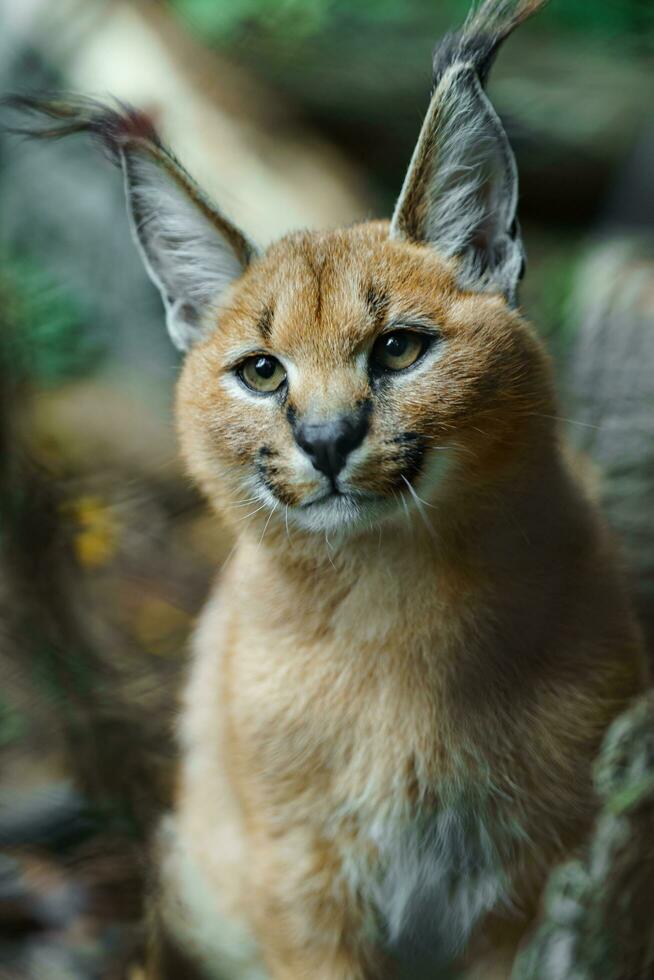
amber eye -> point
(398, 350)
(263, 373)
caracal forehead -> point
(324, 293)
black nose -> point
(328, 444)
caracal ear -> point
(190, 250)
(461, 190)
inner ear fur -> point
(461, 190)
(189, 248)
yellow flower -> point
(95, 539)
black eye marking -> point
(410, 455)
(364, 406)
(377, 303)
(265, 322)
(269, 474)
(407, 437)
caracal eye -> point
(262, 373)
(398, 350)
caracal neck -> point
(497, 553)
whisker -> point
(229, 555)
(420, 509)
(458, 447)
(415, 495)
(405, 507)
(265, 527)
(242, 503)
(562, 418)
(253, 513)
(328, 551)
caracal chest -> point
(340, 706)
(356, 743)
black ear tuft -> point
(112, 127)
(481, 37)
(479, 51)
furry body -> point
(393, 731)
(408, 664)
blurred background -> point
(291, 113)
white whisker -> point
(562, 418)
(242, 503)
(253, 513)
(420, 509)
(265, 527)
(402, 500)
(328, 550)
(415, 495)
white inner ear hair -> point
(187, 256)
(462, 184)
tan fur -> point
(397, 690)
(476, 647)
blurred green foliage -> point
(50, 341)
(553, 265)
(299, 18)
(215, 21)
